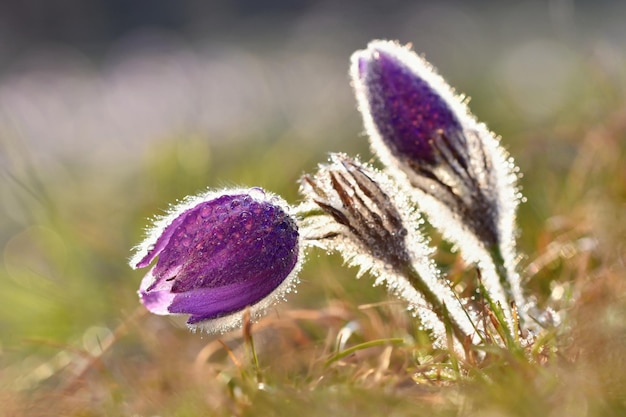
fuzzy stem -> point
(498, 312)
(438, 305)
(503, 276)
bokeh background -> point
(111, 110)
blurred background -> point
(110, 110)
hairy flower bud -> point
(355, 200)
(218, 254)
(451, 164)
(363, 217)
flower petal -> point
(157, 301)
(211, 303)
(152, 250)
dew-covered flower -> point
(219, 254)
(353, 209)
(453, 166)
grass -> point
(75, 341)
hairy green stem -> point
(437, 305)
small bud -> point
(218, 254)
(347, 192)
(375, 228)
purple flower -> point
(452, 166)
(419, 126)
(218, 254)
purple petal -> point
(215, 302)
(161, 242)
(157, 301)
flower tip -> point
(361, 59)
(361, 66)
(137, 263)
(377, 50)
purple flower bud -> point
(450, 164)
(218, 254)
(406, 109)
(425, 133)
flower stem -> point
(499, 266)
(504, 330)
(503, 277)
(437, 304)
